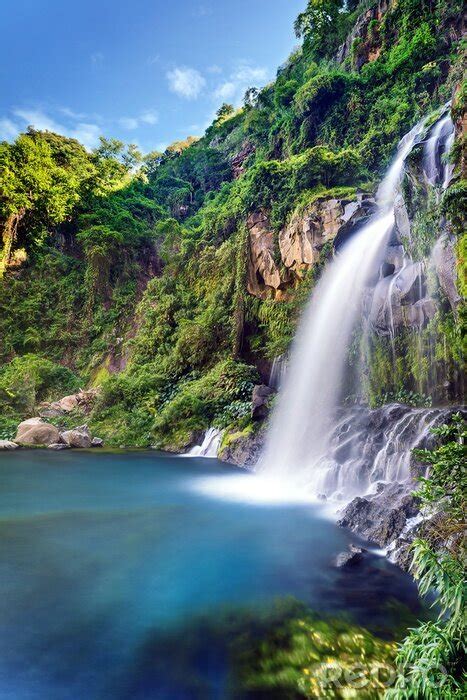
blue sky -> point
(145, 71)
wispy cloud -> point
(86, 132)
(243, 76)
(8, 129)
(129, 123)
(150, 116)
(186, 82)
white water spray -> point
(299, 437)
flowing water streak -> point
(210, 445)
(299, 436)
(441, 140)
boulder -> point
(58, 446)
(8, 445)
(78, 437)
(35, 432)
(97, 442)
(68, 403)
(350, 558)
(260, 401)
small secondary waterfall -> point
(436, 149)
(210, 445)
(299, 439)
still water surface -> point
(115, 568)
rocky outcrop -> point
(277, 261)
(35, 432)
(302, 240)
(82, 401)
(362, 44)
(260, 401)
(238, 160)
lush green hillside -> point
(136, 273)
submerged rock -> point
(350, 558)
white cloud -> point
(225, 91)
(129, 123)
(243, 76)
(150, 116)
(186, 82)
(215, 69)
(87, 133)
(39, 120)
(8, 129)
(247, 73)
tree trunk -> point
(9, 237)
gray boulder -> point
(260, 401)
(78, 437)
(353, 556)
(97, 442)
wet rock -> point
(245, 450)
(381, 517)
(36, 432)
(8, 445)
(444, 260)
(260, 401)
(350, 558)
(58, 446)
(97, 442)
(78, 437)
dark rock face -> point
(260, 401)
(350, 558)
(381, 517)
(245, 451)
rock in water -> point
(8, 445)
(35, 432)
(97, 442)
(58, 446)
(78, 437)
(351, 558)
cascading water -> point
(298, 443)
(209, 446)
(436, 149)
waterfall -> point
(436, 148)
(298, 442)
(276, 377)
(210, 445)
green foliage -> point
(431, 660)
(27, 380)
